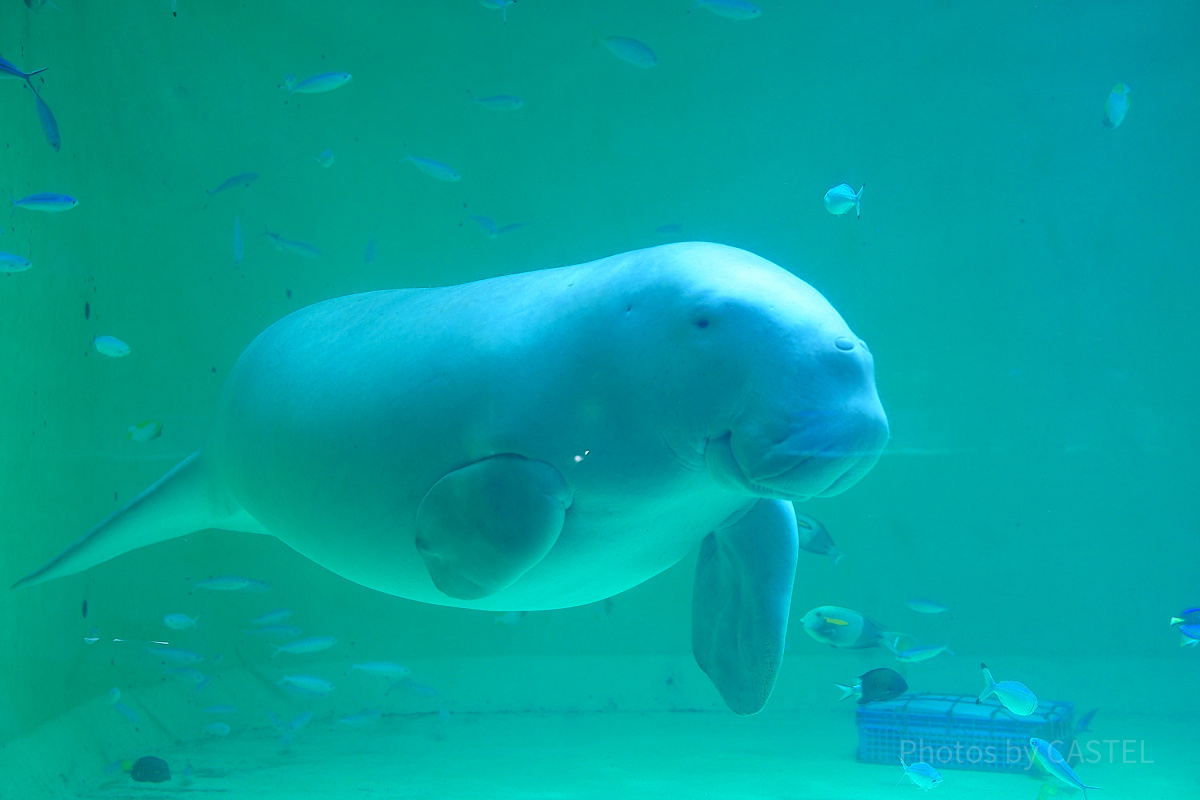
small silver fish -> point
(110, 346)
(842, 198)
(302, 249)
(272, 617)
(49, 202)
(223, 583)
(417, 688)
(921, 774)
(914, 655)
(220, 709)
(501, 102)
(489, 227)
(306, 683)
(1053, 762)
(1013, 695)
(179, 622)
(1116, 106)
(731, 9)
(49, 125)
(369, 252)
(175, 655)
(192, 677)
(11, 262)
(241, 179)
(217, 729)
(361, 719)
(631, 51)
(924, 606)
(384, 669)
(313, 644)
(434, 169)
(274, 631)
(317, 84)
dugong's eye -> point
(702, 322)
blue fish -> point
(241, 179)
(501, 102)
(1188, 623)
(272, 617)
(434, 169)
(1053, 762)
(302, 249)
(9, 70)
(1190, 616)
(731, 9)
(631, 51)
(10, 262)
(317, 84)
(1083, 726)
(50, 202)
(49, 126)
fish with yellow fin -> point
(841, 627)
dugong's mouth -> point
(819, 473)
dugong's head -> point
(797, 415)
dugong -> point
(542, 440)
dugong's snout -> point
(827, 453)
(814, 434)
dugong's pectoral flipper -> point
(740, 601)
(481, 527)
(185, 500)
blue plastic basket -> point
(950, 731)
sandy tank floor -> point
(607, 755)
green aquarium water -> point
(536, 537)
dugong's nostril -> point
(843, 343)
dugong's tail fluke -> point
(184, 500)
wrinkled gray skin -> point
(543, 440)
